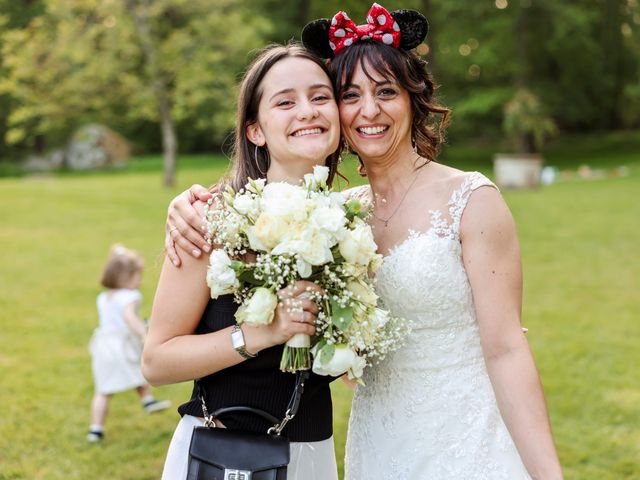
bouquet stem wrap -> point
(296, 354)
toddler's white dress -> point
(115, 349)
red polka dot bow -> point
(380, 27)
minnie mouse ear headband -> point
(405, 29)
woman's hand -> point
(296, 313)
(185, 226)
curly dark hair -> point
(410, 71)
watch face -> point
(237, 339)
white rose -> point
(313, 246)
(354, 270)
(358, 246)
(362, 291)
(357, 368)
(343, 360)
(267, 232)
(309, 180)
(243, 204)
(329, 219)
(376, 261)
(303, 267)
(256, 186)
(221, 278)
(284, 200)
(321, 174)
(260, 308)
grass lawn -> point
(579, 245)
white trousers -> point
(309, 460)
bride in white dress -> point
(429, 410)
(461, 400)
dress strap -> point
(460, 197)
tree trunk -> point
(138, 10)
(169, 142)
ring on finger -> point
(173, 227)
(293, 305)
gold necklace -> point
(386, 220)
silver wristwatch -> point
(237, 340)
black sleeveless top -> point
(259, 383)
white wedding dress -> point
(428, 411)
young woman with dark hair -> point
(287, 124)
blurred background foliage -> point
(64, 63)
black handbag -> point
(223, 454)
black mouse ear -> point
(413, 28)
(315, 37)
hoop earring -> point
(255, 154)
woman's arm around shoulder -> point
(491, 256)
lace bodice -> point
(428, 410)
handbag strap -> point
(278, 425)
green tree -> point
(579, 58)
(124, 63)
(12, 15)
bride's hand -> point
(184, 225)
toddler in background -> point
(116, 345)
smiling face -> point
(375, 113)
(297, 115)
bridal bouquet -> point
(303, 232)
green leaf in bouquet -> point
(337, 256)
(353, 207)
(229, 195)
(254, 186)
(319, 345)
(326, 353)
(248, 276)
(341, 317)
(237, 266)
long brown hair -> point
(245, 163)
(410, 71)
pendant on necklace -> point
(386, 223)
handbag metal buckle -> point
(236, 474)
